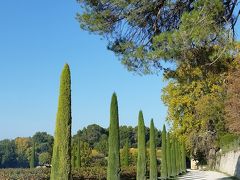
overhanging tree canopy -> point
(143, 32)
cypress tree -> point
(184, 170)
(153, 156)
(113, 170)
(173, 152)
(126, 154)
(163, 156)
(78, 165)
(181, 157)
(61, 158)
(141, 160)
(171, 159)
(73, 155)
(177, 158)
(33, 158)
(169, 166)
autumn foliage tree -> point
(142, 37)
(232, 103)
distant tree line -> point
(17, 152)
(97, 136)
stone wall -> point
(229, 163)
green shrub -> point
(23, 174)
(125, 154)
(229, 142)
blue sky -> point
(37, 39)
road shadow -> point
(237, 168)
(228, 178)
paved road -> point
(204, 175)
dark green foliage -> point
(33, 158)
(7, 154)
(61, 159)
(153, 156)
(102, 145)
(43, 142)
(44, 158)
(163, 155)
(113, 171)
(78, 164)
(97, 137)
(17, 153)
(92, 134)
(125, 154)
(141, 159)
(133, 27)
(169, 165)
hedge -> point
(90, 173)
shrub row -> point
(90, 173)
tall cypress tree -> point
(181, 158)
(61, 158)
(169, 166)
(163, 155)
(125, 154)
(113, 170)
(73, 156)
(177, 157)
(153, 156)
(173, 152)
(183, 151)
(78, 165)
(33, 158)
(141, 160)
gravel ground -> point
(205, 175)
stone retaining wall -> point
(229, 163)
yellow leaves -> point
(22, 144)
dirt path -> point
(205, 175)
